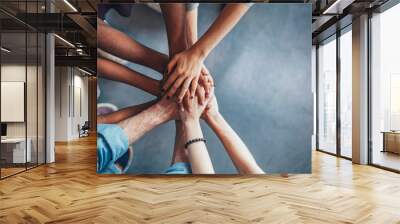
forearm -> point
(225, 22)
(123, 114)
(114, 71)
(136, 126)
(174, 14)
(123, 46)
(235, 147)
(179, 154)
(191, 27)
(197, 152)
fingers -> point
(201, 95)
(181, 107)
(171, 77)
(193, 86)
(207, 86)
(171, 65)
(186, 103)
(206, 79)
(175, 87)
(171, 80)
(184, 89)
(211, 81)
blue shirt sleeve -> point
(112, 143)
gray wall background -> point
(262, 70)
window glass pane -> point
(22, 86)
(346, 94)
(14, 153)
(327, 96)
(385, 88)
(31, 97)
(32, 87)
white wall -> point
(16, 73)
(33, 127)
(70, 83)
(61, 104)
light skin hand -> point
(191, 110)
(183, 69)
(186, 66)
(190, 36)
(211, 111)
(197, 152)
(159, 113)
(233, 144)
(206, 80)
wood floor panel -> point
(70, 191)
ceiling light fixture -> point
(65, 41)
(86, 72)
(337, 7)
(5, 50)
(70, 5)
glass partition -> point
(31, 99)
(41, 96)
(22, 77)
(346, 93)
(327, 95)
(14, 155)
(385, 89)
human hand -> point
(183, 70)
(191, 109)
(168, 108)
(206, 82)
(211, 111)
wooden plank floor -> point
(70, 191)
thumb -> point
(171, 65)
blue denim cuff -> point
(112, 143)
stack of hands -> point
(187, 93)
(203, 104)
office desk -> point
(13, 150)
(391, 141)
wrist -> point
(189, 42)
(190, 121)
(200, 52)
(165, 110)
(212, 117)
(177, 47)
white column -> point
(50, 100)
(360, 90)
(50, 94)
